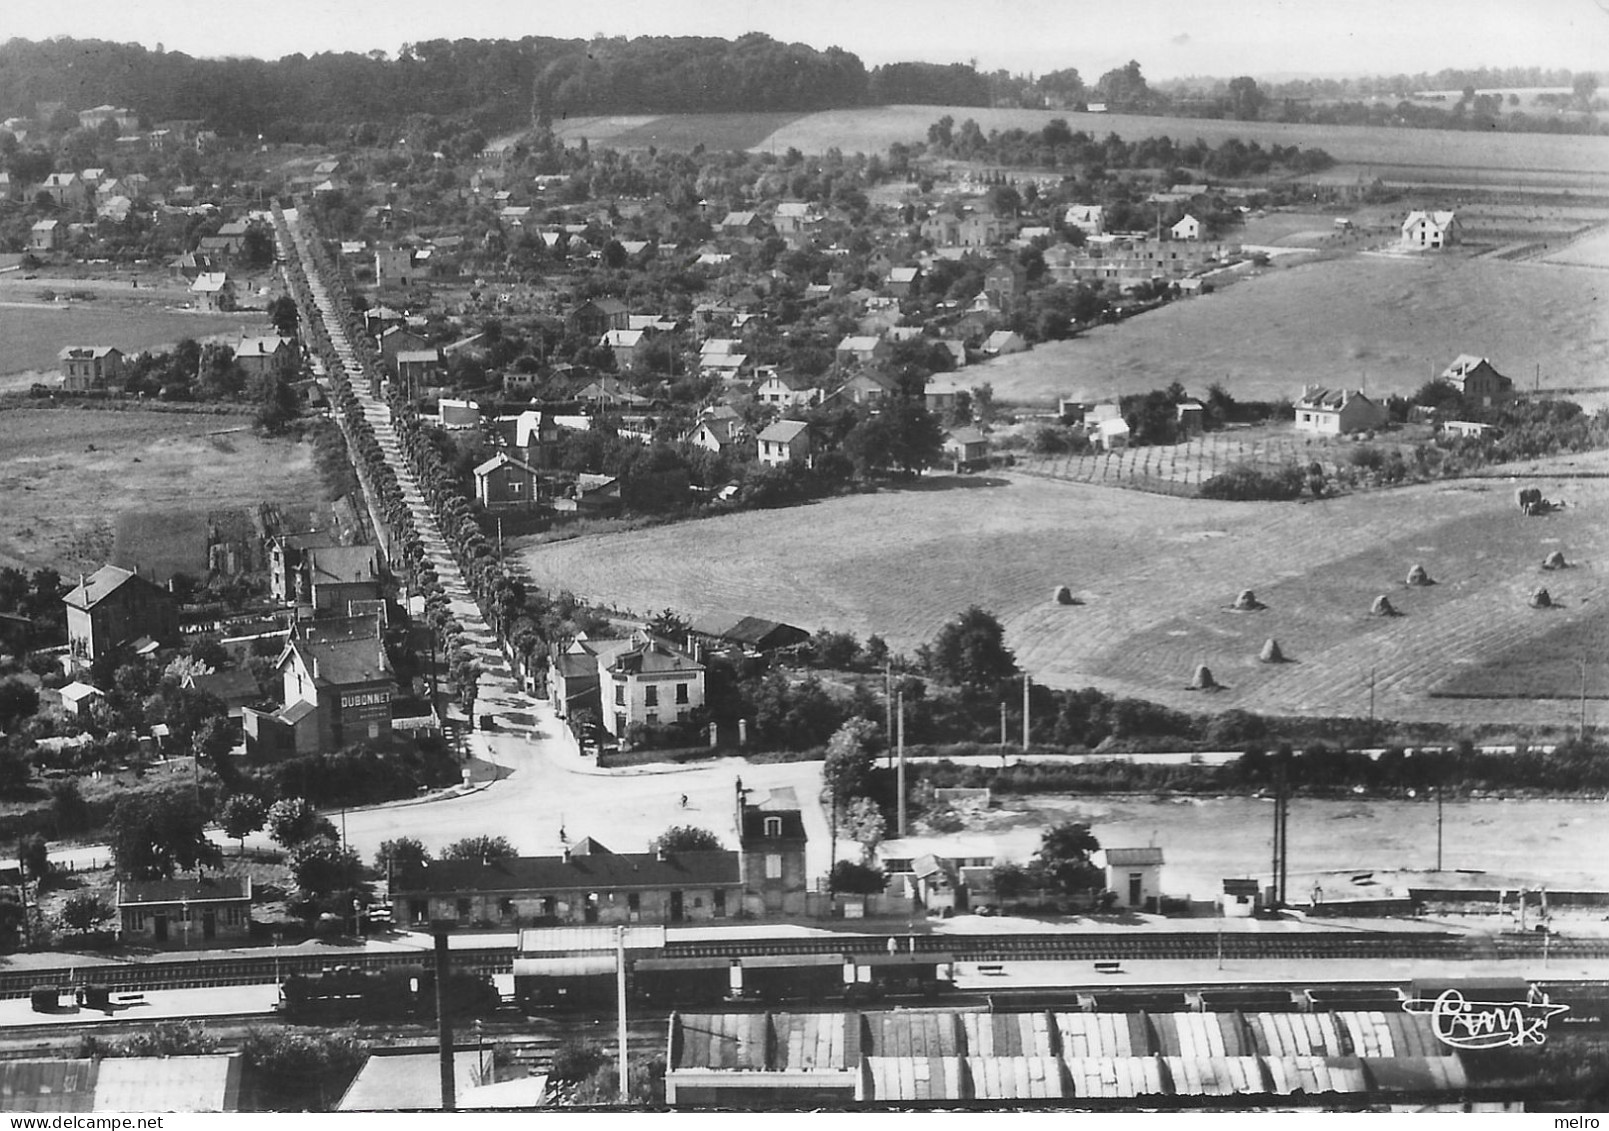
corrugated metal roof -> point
(47, 1085)
(409, 1082)
(914, 1078)
(1015, 1077)
(169, 1083)
(810, 1041)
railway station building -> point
(185, 912)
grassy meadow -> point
(1156, 577)
(80, 485)
(1385, 323)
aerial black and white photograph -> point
(1009, 557)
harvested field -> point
(1423, 152)
(1590, 250)
(717, 132)
(70, 476)
(1155, 577)
(1390, 324)
(1401, 156)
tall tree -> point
(1064, 853)
(481, 847)
(241, 815)
(970, 653)
(687, 838)
(155, 835)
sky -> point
(1170, 38)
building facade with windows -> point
(653, 683)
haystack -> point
(1555, 560)
(1418, 576)
(1063, 595)
(1541, 599)
(1271, 653)
(1203, 680)
(1248, 600)
(1382, 607)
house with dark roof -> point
(751, 633)
(270, 353)
(338, 684)
(504, 482)
(115, 606)
(287, 563)
(966, 448)
(235, 688)
(186, 911)
(771, 842)
(596, 316)
(652, 683)
(573, 674)
(784, 441)
(1478, 381)
(338, 575)
(90, 367)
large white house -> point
(1431, 229)
(1332, 412)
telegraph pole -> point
(620, 1006)
(1026, 681)
(444, 1025)
(899, 783)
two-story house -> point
(337, 689)
(213, 291)
(394, 267)
(113, 607)
(653, 682)
(596, 316)
(46, 236)
(1431, 230)
(90, 367)
(1478, 381)
(771, 844)
(784, 441)
(787, 390)
(260, 356)
(503, 482)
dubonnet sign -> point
(1463, 1024)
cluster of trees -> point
(36, 596)
(1057, 145)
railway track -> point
(262, 969)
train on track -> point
(399, 993)
(590, 981)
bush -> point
(1249, 484)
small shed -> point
(77, 696)
(1239, 899)
(1135, 875)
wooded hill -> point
(485, 84)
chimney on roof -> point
(659, 853)
(567, 854)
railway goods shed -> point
(793, 1060)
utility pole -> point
(444, 1025)
(1026, 681)
(899, 782)
(620, 1006)
(888, 707)
(1438, 828)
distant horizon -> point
(1271, 40)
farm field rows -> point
(1156, 576)
(1388, 324)
(1477, 159)
(69, 475)
(874, 129)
